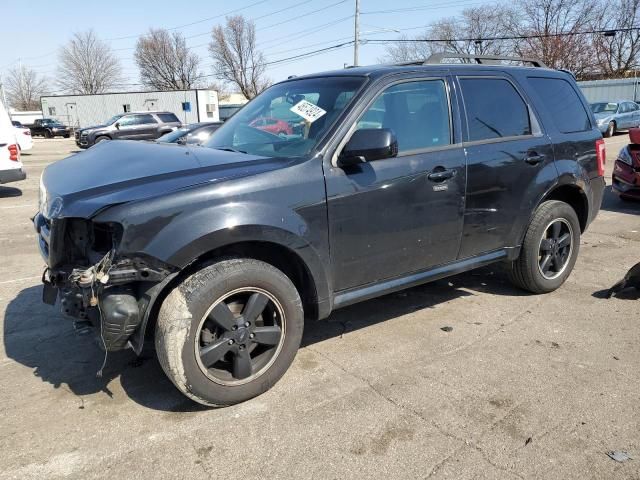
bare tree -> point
(553, 32)
(237, 59)
(24, 88)
(165, 61)
(87, 65)
(471, 33)
(618, 53)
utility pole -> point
(356, 40)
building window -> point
(211, 109)
(126, 107)
(52, 110)
(186, 106)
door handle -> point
(533, 158)
(441, 175)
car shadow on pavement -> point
(6, 192)
(40, 337)
(612, 203)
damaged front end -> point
(95, 285)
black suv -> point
(400, 175)
(129, 126)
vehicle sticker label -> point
(308, 111)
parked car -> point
(23, 135)
(18, 124)
(223, 253)
(228, 110)
(614, 116)
(193, 134)
(10, 164)
(272, 125)
(129, 126)
(626, 170)
(49, 128)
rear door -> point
(509, 161)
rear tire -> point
(549, 250)
(213, 345)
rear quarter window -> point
(563, 104)
(168, 117)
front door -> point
(399, 215)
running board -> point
(349, 297)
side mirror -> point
(117, 125)
(368, 144)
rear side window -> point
(494, 109)
(168, 117)
(563, 103)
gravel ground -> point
(522, 387)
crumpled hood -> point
(122, 171)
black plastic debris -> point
(527, 441)
(446, 329)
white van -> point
(10, 164)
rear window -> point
(494, 109)
(563, 104)
(168, 117)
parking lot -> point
(523, 386)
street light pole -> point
(356, 40)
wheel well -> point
(280, 257)
(573, 196)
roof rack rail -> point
(480, 59)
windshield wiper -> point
(229, 149)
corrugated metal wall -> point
(87, 110)
(610, 90)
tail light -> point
(14, 153)
(600, 156)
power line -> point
(459, 3)
(491, 39)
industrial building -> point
(610, 90)
(80, 111)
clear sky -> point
(34, 30)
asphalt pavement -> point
(522, 386)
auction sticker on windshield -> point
(308, 110)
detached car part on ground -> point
(398, 175)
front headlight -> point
(625, 157)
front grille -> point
(77, 135)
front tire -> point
(611, 129)
(549, 250)
(47, 134)
(102, 138)
(230, 331)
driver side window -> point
(417, 112)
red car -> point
(626, 171)
(272, 125)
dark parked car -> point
(193, 134)
(49, 128)
(626, 170)
(404, 174)
(129, 126)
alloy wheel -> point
(555, 248)
(240, 336)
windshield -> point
(602, 107)
(113, 119)
(288, 119)
(173, 136)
